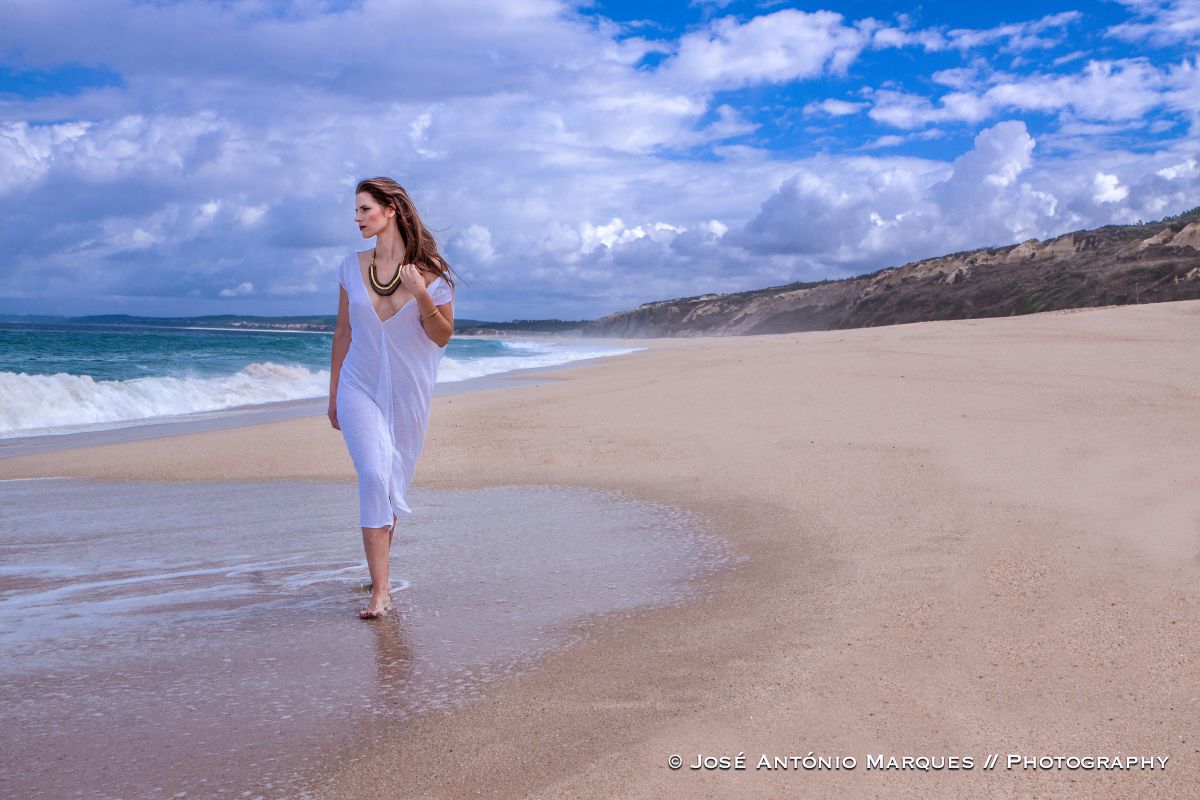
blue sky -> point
(574, 159)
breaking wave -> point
(40, 402)
(37, 404)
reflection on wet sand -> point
(393, 657)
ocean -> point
(71, 378)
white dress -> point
(383, 395)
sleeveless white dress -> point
(383, 395)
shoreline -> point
(964, 537)
(245, 416)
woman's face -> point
(371, 217)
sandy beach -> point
(962, 539)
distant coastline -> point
(1113, 265)
(317, 323)
(322, 323)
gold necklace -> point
(383, 288)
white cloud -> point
(886, 37)
(1160, 22)
(1001, 154)
(834, 107)
(1104, 90)
(140, 238)
(1074, 55)
(1108, 189)
(773, 48)
(1186, 169)
(1122, 89)
(475, 243)
(617, 232)
(1183, 90)
(885, 141)
(957, 77)
(27, 152)
(417, 130)
(1044, 33)
(873, 212)
(250, 215)
(241, 290)
(1040, 34)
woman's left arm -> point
(437, 321)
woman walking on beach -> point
(395, 317)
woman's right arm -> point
(341, 344)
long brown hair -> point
(420, 247)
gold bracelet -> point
(431, 313)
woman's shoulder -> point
(354, 258)
(348, 262)
(441, 290)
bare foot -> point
(380, 604)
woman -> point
(395, 317)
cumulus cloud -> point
(985, 185)
(475, 243)
(1108, 189)
(773, 48)
(569, 165)
(887, 211)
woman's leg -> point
(368, 440)
(391, 531)
(377, 542)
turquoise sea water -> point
(57, 378)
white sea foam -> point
(39, 404)
(527, 355)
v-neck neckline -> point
(367, 292)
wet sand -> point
(219, 645)
(963, 538)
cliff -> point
(1114, 265)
